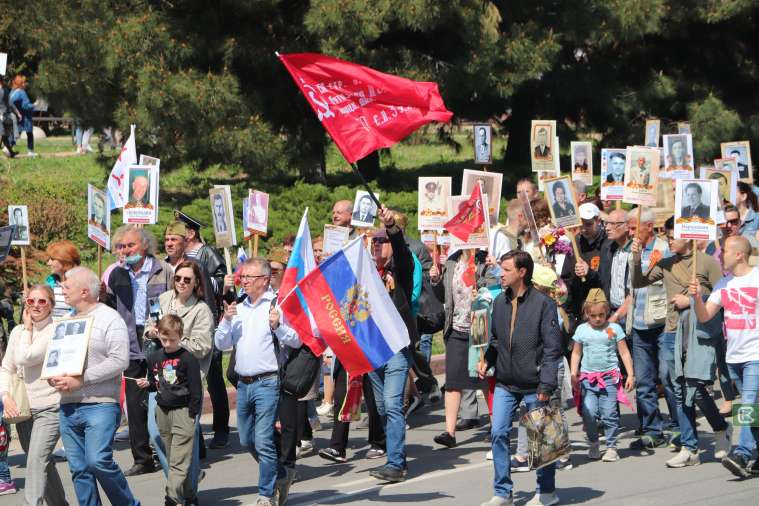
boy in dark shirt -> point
(175, 374)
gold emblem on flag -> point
(354, 307)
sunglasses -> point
(36, 302)
(251, 278)
(183, 279)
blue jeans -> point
(505, 404)
(667, 376)
(598, 402)
(87, 432)
(160, 448)
(686, 415)
(746, 377)
(5, 442)
(425, 346)
(648, 351)
(257, 408)
(389, 384)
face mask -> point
(133, 259)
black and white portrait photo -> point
(697, 203)
(678, 156)
(364, 210)
(483, 148)
(60, 332)
(75, 328)
(19, 216)
(695, 200)
(52, 359)
(6, 237)
(542, 136)
(652, 133)
(98, 217)
(223, 219)
(741, 152)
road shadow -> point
(567, 495)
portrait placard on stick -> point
(696, 205)
(562, 202)
(335, 237)
(364, 210)
(741, 151)
(19, 216)
(256, 213)
(683, 127)
(542, 150)
(483, 147)
(613, 173)
(434, 196)
(479, 238)
(491, 186)
(726, 176)
(141, 194)
(653, 127)
(223, 217)
(556, 172)
(98, 217)
(641, 176)
(582, 161)
(678, 157)
(67, 349)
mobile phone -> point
(154, 311)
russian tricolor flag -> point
(353, 311)
(291, 300)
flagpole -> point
(366, 185)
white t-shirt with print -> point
(738, 295)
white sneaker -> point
(489, 455)
(122, 435)
(304, 449)
(544, 499)
(594, 451)
(611, 455)
(59, 453)
(324, 409)
(497, 500)
(684, 458)
(32, 154)
(722, 442)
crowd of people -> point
(637, 312)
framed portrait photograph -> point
(613, 161)
(67, 349)
(433, 199)
(98, 217)
(678, 157)
(696, 207)
(562, 202)
(223, 216)
(641, 175)
(483, 146)
(335, 237)
(150, 160)
(741, 151)
(255, 214)
(480, 330)
(683, 127)
(653, 128)
(6, 236)
(364, 210)
(19, 216)
(582, 161)
(556, 172)
(542, 150)
(727, 180)
(480, 238)
(491, 186)
(141, 199)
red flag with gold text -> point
(470, 216)
(361, 108)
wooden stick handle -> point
(100, 261)
(694, 263)
(250, 248)
(575, 248)
(637, 230)
(619, 205)
(228, 260)
(23, 269)
(255, 245)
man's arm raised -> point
(705, 311)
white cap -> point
(589, 211)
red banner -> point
(361, 108)
(470, 216)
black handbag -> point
(431, 315)
(300, 372)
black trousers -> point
(293, 418)
(217, 391)
(340, 430)
(137, 413)
(426, 380)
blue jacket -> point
(21, 100)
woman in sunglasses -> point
(62, 257)
(186, 301)
(39, 434)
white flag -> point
(116, 181)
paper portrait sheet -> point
(141, 194)
(257, 216)
(726, 175)
(19, 215)
(67, 348)
(335, 237)
(678, 157)
(98, 217)
(562, 202)
(613, 173)
(582, 161)
(483, 147)
(364, 210)
(223, 217)
(491, 185)
(433, 199)
(696, 206)
(653, 127)
(741, 151)
(542, 150)
(641, 176)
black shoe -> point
(648, 443)
(167, 501)
(139, 469)
(192, 502)
(467, 424)
(755, 468)
(220, 440)
(388, 474)
(333, 455)
(446, 440)
(737, 465)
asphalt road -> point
(441, 476)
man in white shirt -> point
(737, 294)
(253, 326)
